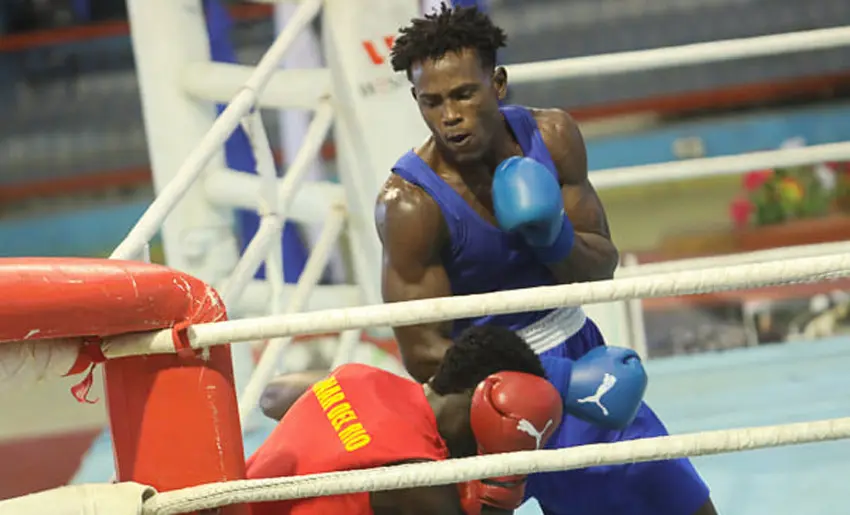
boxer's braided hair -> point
(480, 351)
(448, 30)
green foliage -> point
(778, 196)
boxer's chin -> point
(468, 151)
(465, 158)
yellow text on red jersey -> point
(341, 414)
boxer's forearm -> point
(592, 258)
(422, 348)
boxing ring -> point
(777, 481)
(777, 397)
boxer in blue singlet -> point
(498, 198)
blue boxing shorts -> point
(671, 487)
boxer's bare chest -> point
(474, 190)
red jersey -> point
(359, 417)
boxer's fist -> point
(527, 199)
(512, 411)
(606, 387)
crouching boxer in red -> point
(489, 395)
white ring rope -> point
(715, 166)
(269, 362)
(268, 233)
(800, 270)
(528, 462)
(740, 258)
(216, 82)
(266, 170)
(668, 57)
(151, 221)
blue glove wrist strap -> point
(562, 246)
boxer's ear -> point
(500, 82)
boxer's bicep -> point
(410, 226)
(594, 256)
(581, 203)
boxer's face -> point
(459, 101)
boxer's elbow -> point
(421, 366)
(593, 258)
(282, 392)
(270, 404)
(276, 401)
(422, 348)
(609, 259)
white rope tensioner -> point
(467, 469)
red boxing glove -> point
(512, 411)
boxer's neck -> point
(502, 145)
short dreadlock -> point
(449, 30)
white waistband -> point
(553, 329)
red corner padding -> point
(80, 297)
(174, 417)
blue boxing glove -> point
(527, 200)
(604, 387)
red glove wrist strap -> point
(504, 482)
(505, 495)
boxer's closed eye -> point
(464, 93)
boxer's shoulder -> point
(553, 121)
(563, 139)
(407, 215)
(403, 202)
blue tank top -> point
(482, 258)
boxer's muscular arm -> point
(411, 228)
(282, 391)
(593, 257)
